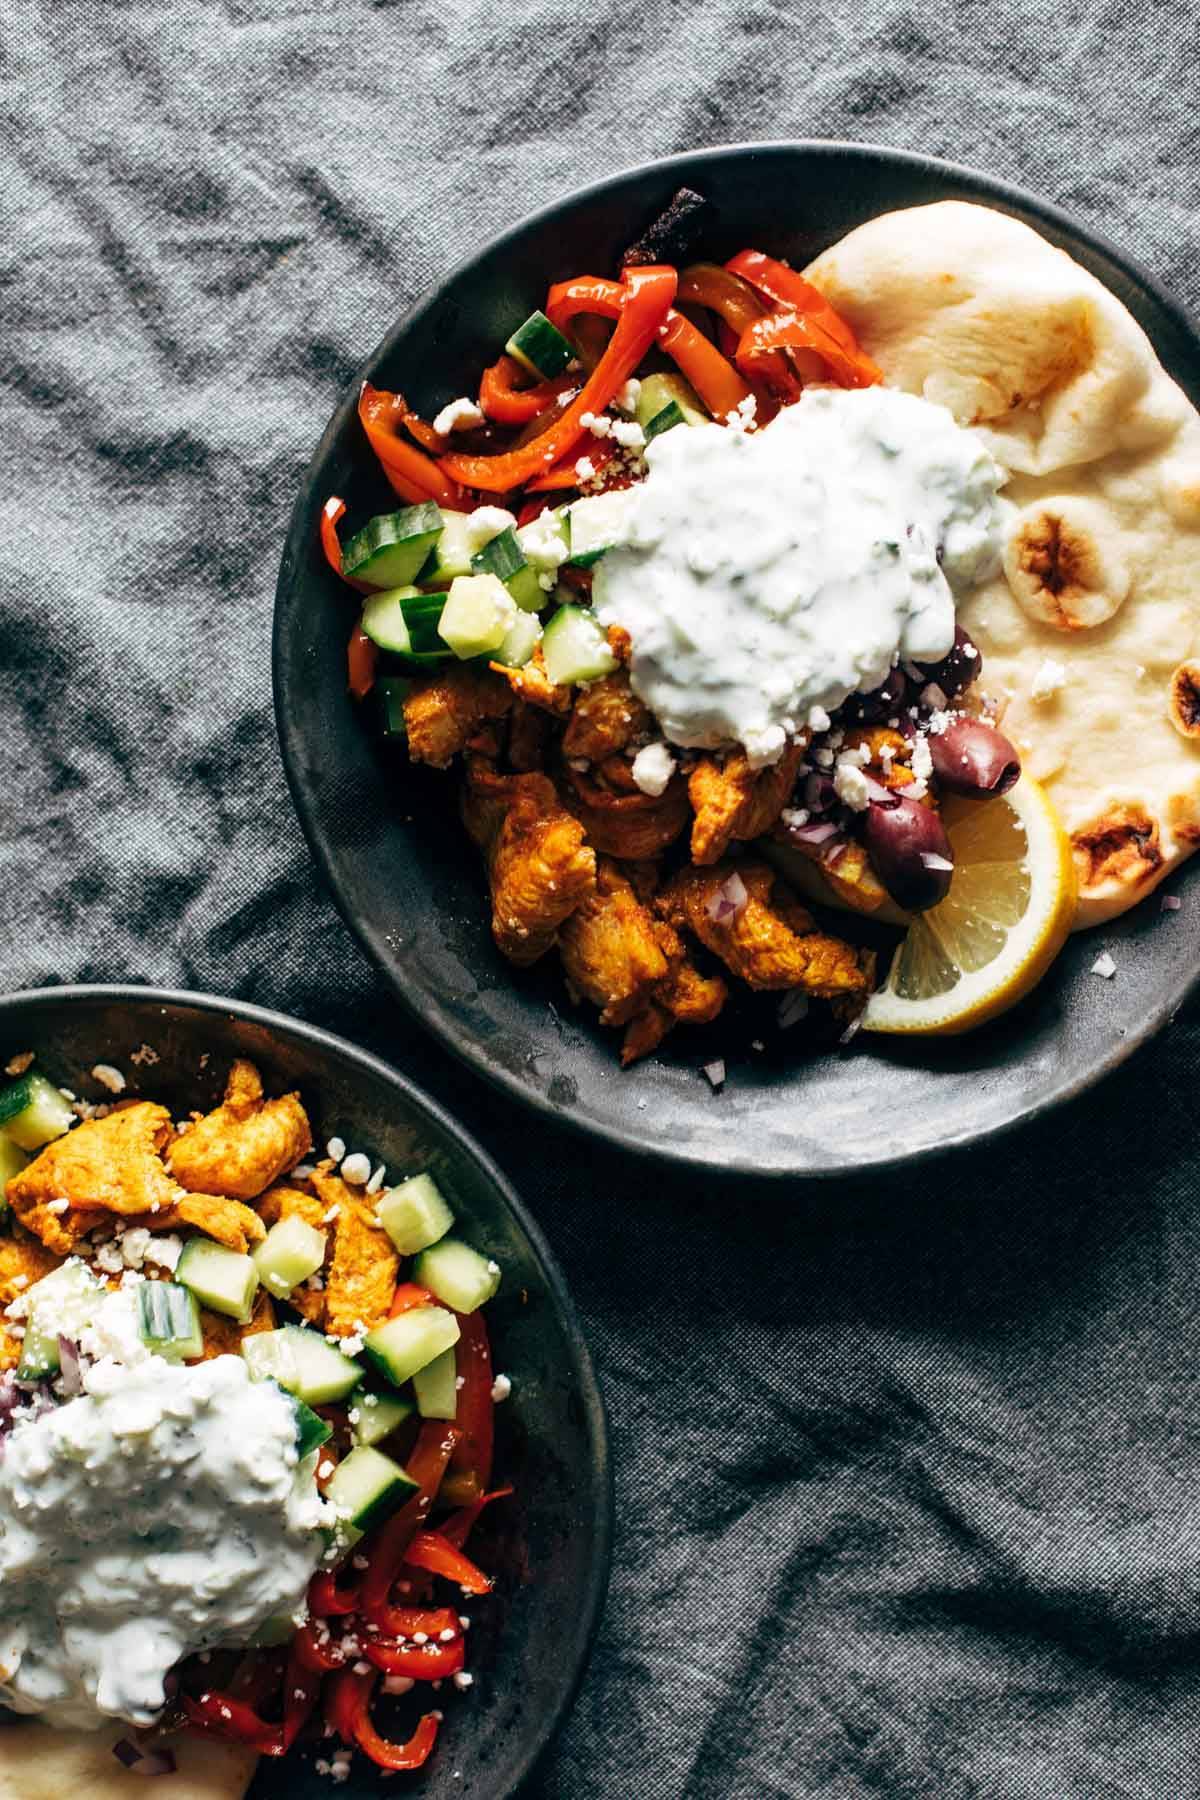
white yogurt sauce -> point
(164, 1511)
(762, 575)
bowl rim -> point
(425, 1007)
(587, 1605)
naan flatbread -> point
(1090, 634)
(39, 1763)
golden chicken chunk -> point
(539, 865)
(683, 997)
(533, 685)
(732, 801)
(623, 821)
(609, 948)
(606, 718)
(443, 712)
(109, 1165)
(223, 1337)
(287, 1202)
(772, 942)
(245, 1144)
(228, 1221)
(362, 1271)
(22, 1262)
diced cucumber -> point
(406, 1343)
(12, 1160)
(666, 420)
(220, 1278)
(478, 615)
(60, 1304)
(540, 347)
(291, 1251)
(504, 558)
(521, 641)
(389, 693)
(596, 523)
(541, 539)
(660, 391)
(169, 1320)
(453, 551)
(377, 1416)
(575, 648)
(32, 1111)
(390, 549)
(458, 1275)
(384, 622)
(366, 1486)
(311, 1429)
(414, 1214)
(301, 1361)
(436, 1387)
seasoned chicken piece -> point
(609, 948)
(733, 801)
(539, 865)
(889, 753)
(683, 997)
(284, 1203)
(607, 716)
(22, 1262)
(223, 1337)
(362, 1272)
(772, 942)
(245, 1144)
(534, 685)
(443, 711)
(846, 869)
(629, 825)
(109, 1165)
(228, 1221)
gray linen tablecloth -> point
(909, 1472)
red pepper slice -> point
(326, 1600)
(362, 659)
(316, 1653)
(406, 1621)
(803, 331)
(421, 1662)
(648, 292)
(430, 1550)
(331, 513)
(301, 1691)
(798, 295)
(347, 1708)
(426, 436)
(426, 1466)
(508, 404)
(409, 1294)
(413, 475)
(564, 475)
(220, 1714)
(470, 1467)
(459, 1526)
(736, 306)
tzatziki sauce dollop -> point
(161, 1512)
(765, 575)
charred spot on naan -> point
(1183, 699)
(1064, 566)
(1119, 847)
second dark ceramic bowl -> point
(387, 837)
(549, 1545)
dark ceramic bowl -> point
(549, 1544)
(408, 882)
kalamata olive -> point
(959, 669)
(972, 757)
(891, 694)
(910, 853)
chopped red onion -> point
(876, 791)
(852, 1030)
(833, 847)
(144, 1762)
(819, 793)
(70, 1371)
(915, 675)
(716, 1072)
(1171, 903)
(792, 1008)
(912, 790)
(934, 697)
(933, 861)
(729, 900)
(815, 834)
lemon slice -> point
(1009, 911)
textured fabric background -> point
(909, 1475)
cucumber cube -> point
(453, 551)
(377, 1416)
(220, 1278)
(389, 550)
(303, 1363)
(575, 648)
(32, 1111)
(504, 558)
(478, 614)
(666, 420)
(12, 1160)
(411, 1340)
(521, 642)
(436, 1387)
(596, 523)
(540, 347)
(661, 391)
(62, 1302)
(414, 1214)
(169, 1320)
(291, 1251)
(311, 1429)
(458, 1275)
(366, 1486)
(384, 622)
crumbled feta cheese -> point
(597, 423)
(850, 784)
(376, 1181)
(335, 1149)
(356, 1169)
(628, 433)
(542, 542)
(1104, 966)
(463, 1681)
(134, 1245)
(108, 1257)
(144, 1055)
(653, 768)
(109, 1077)
(795, 816)
(921, 760)
(585, 468)
(501, 1389)
(458, 415)
(486, 523)
(350, 1346)
(1050, 677)
(628, 396)
(57, 1206)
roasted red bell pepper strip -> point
(459, 1526)
(318, 1652)
(565, 474)
(408, 1295)
(804, 331)
(413, 475)
(508, 404)
(326, 1600)
(331, 513)
(362, 659)
(301, 1691)
(220, 1714)
(421, 1662)
(430, 1550)
(790, 290)
(736, 306)
(426, 436)
(470, 1467)
(584, 294)
(648, 295)
(432, 1620)
(387, 1555)
(347, 1708)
